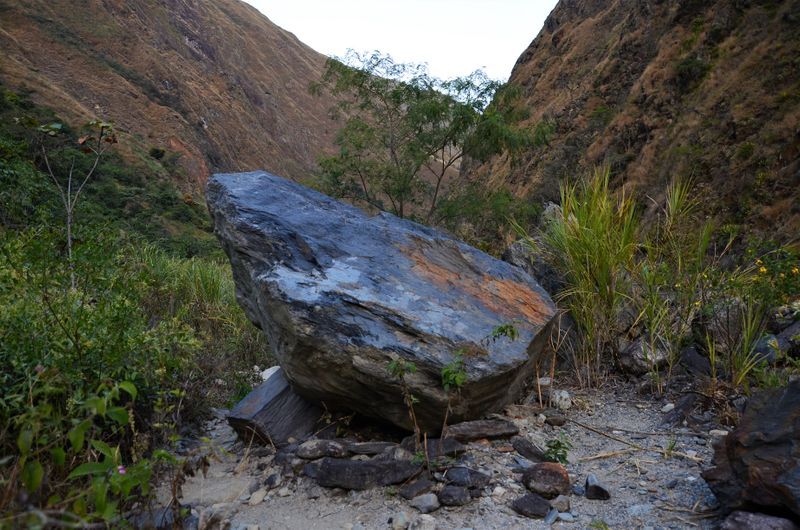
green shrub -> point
(98, 377)
(480, 216)
(690, 72)
(157, 153)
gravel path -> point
(648, 488)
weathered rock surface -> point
(750, 521)
(468, 431)
(454, 496)
(437, 448)
(341, 294)
(426, 503)
(273, 413)
(370, 448)
(531, 505)
(548, 479)
(313, 449)
(466, 478)
(758, 463)
(641, 357)
(595, 489)
(528, 449)
(416, 488)
(361, 475)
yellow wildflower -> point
(795, 270)
(758, 262)
(762, 269)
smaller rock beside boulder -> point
(468, 431)
(273, 414)
(595, 489)
(528, 449)
(360, 475)
(426, 503)
(454, 496)
(314, 449)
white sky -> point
(455, 37)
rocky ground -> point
(653, 475)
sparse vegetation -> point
(557, 449)
(663, 282)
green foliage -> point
(481, 216)
(406, 132)
(504, 330)
(156, 152)
(137, 199)
(690, 72)
(662, 282)
(601, 116)
(154, 324)
(454, 374)
(745, 150)
(99, 372)
(557, 449)
(398, 368)
(593, 242)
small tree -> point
(99, 137)
(406, 131)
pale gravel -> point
(648, 490)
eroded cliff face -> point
(216, 83)
(668, 88)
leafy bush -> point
(480, 216)
(97, 377)
(690, 72)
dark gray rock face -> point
(454, 496)
(340, 294)
(361, 475)
(528, 449)
(749, 521)
(758, 464)
(532, 505)
(273, 413)
(475, 430)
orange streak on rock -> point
(511, 299)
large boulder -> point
(340, 294)
(758, 464)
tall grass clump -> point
(650, 289)
(592, 241)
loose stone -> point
(454, 496)
(548, 479)
(531, 505)
(426, 503)
(595, 490)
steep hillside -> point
(215, 84)
(658, 89)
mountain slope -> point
(658, 89)
(214, 83)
